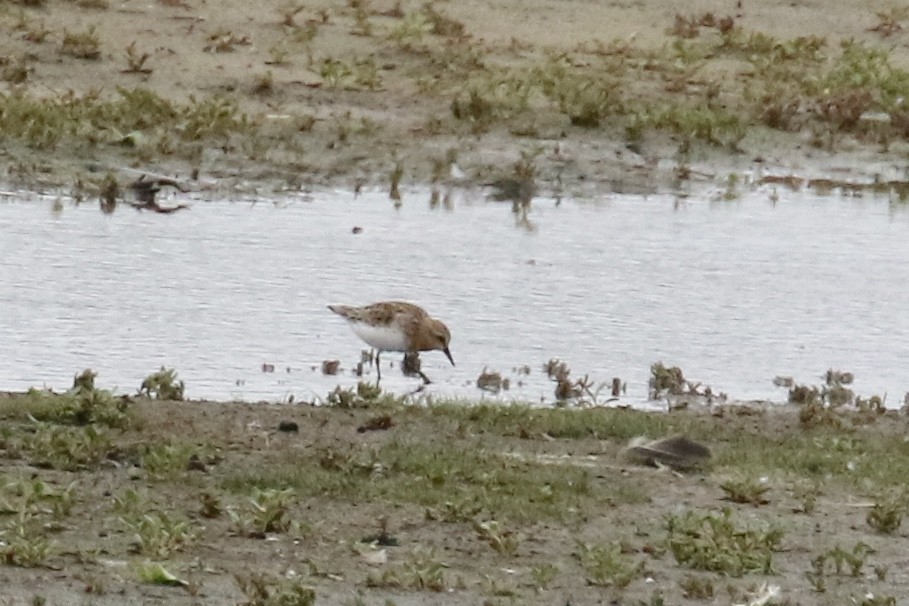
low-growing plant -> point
(154, 573)
(886, 515)
(544, 574)
(68, 448)
(606, 565)
(454, 511)
(157, 534)
(265, 511)
(837, 561)
(82, 45)
(365, 395)
(665, 380)
(35, 497)
(22, 545)
(263, 591)
(135, 60)
(503, 541)
(715, 542)
(130, 503)
(697, 587)
(746, 490)
(413, 26)
(83, 404)
(163, 385)
(166, 459)
(421, 572)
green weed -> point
(163, 385)
(157, 534)
(22, 545)
(606, 565)
(263, 591)
(837, 561)
(421, 572)
(35, 497)
(82, 45)
(886, 515)
(746, 490)
(154, 573)
(266, 511)
(167, 459)
(697, 588)
(714, 542)
(503, 541)
(544, 574)
(68, 448)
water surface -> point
(734, 292)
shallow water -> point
(735, 292)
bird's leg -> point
(411, 366)
(378, 367)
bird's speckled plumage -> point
(396, 326)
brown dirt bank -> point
(597, 96)
(398, 504)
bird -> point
(397, 326)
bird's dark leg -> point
(378, 367)
(411, 366)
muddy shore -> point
(589, 97)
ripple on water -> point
(734, 292)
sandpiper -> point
(396, 326)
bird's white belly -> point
(383, 338)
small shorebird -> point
(396, 326)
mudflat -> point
(584, 96)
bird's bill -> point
(448, 355)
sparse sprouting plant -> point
(492, 382)
(264, 84)
(715, 542)
(163, 385)
(82, 45)
(394, 192)
(154, 573)
(837, 561)
(413, 26)
(21, 544)
(263, 591)
(889, 21)
(665, 380)
(697, 587)
(504, 541)
(68, 448)
(108, 193)
(264, 512)
(746, 490)
(334, 72)
(886, 515)
(365, 394)
(225, 41)
(422, 571)
(544, 574)
(135, 60)
(583, 390)
(606, 565)
(158, 534)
